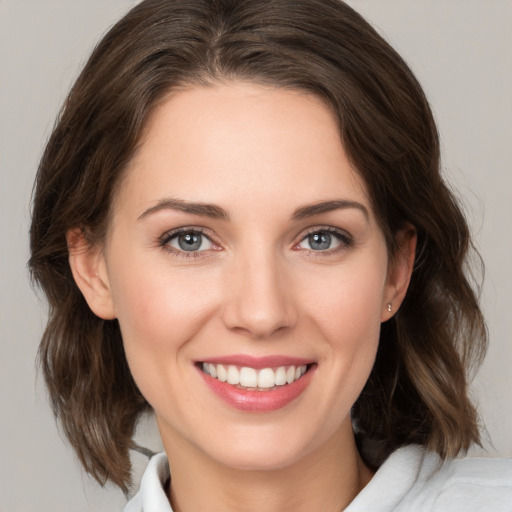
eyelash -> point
(166, 238)
(344, 238)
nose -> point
(259, 296)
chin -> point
(270, 447)
(258, 458)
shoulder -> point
(152, 495)
(472, 485)
(414, 479)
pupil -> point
(320, 241)
(189, 241)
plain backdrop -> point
(461, 51)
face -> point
(248, 274)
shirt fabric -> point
(410, 480)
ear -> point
(89, 271)
(399, 271)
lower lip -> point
(258, 401)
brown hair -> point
(417, 391)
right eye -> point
(188, 241)
(326, 240)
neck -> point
(327, 479)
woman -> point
(240, 224)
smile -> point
(257, 385)
(256, 379)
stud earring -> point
(390, 308)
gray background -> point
(460, 51)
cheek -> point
(347, 304)
(155, 311)
(158, 312)
(158, 318)
(347, 313)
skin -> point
(257, 286)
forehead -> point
(241, 141)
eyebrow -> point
(216, 212)
(328, 206)
(202, 209)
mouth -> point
(257, 385)
(255, 379)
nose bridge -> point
(259, 300)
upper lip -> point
(273, 361)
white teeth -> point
(300, 371)
(233, 375)
(266, 378)
(222, 374)
(212, 370)
(280, 378)
(247, 377)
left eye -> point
(322, 241)
(189, 241)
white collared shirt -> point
(410, 480)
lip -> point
(255, 400)
(257, 363)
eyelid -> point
(346, 239)
(167, 235)
(163, 241)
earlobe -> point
(400, 271)
(89, 271)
